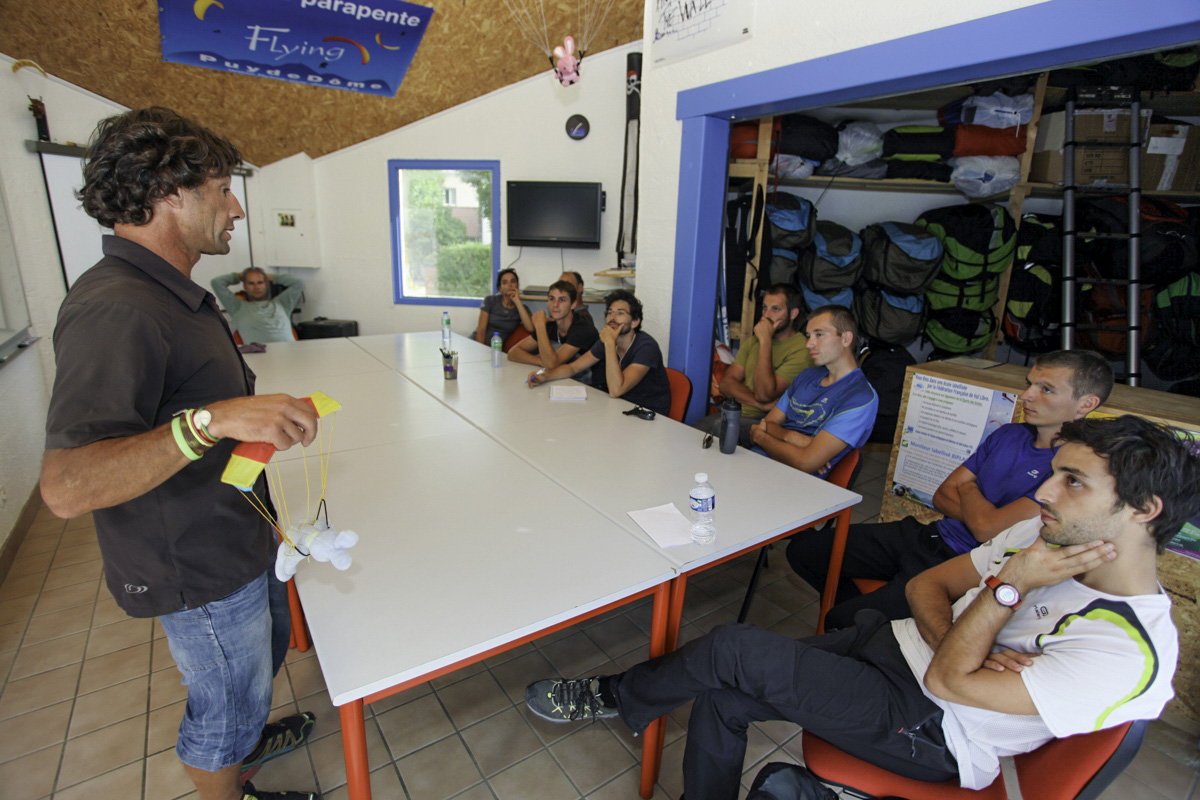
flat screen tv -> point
(554, 214)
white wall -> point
(523, 127)
(785, 32)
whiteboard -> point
(79, 235)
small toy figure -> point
(317, 540)
(566, 66)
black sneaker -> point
(250, 793)
(280, 737)
(567, 701)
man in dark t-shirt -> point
(559, 334)
(626, 362)
(149, 399)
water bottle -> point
(497, 348)
(446, 331)
(703, 501)
(731, 418)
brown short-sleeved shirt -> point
(136, 342)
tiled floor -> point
(90, 699)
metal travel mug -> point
(731, 425)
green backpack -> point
(958, 331)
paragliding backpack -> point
(1033, 308)
(979, 242)
(1175, 352)
(1168, 243)
(833, 261)
(884, 365)
(782, 781)
(789, 229)
(901, 258)
(890, 318)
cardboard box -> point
(1170, 158)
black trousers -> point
(852, 688)
(885, 551)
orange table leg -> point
(299, 628)
(354, 744)
(664, 633)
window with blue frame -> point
(444, 224)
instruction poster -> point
(944, 423)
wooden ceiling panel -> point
(111, 48)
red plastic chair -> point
(1075, 768)
(681, 393)
(514, 337)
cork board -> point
(111, 48)
(1179, 575)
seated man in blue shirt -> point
(991, 491)
(830, 408)
(625, 363)
(559, 333)
(260, 317)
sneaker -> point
(280, 737)
(567, 701)
(250, 793)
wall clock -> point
(578, 126)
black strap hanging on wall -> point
(627, 233)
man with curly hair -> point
(150, 397)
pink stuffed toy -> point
(566, 68)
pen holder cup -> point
(450, 366)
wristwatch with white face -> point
(1006, 594)
(203, 417)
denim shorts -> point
(223, 649)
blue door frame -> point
(1028, 39)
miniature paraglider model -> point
(530, 16)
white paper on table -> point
(666, 526)
(567, 392)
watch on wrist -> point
(1006, 594)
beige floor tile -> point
(118, 636)
(385, 783)
(161, 657)
(1126, 787)
(617, 636)
(11, 634)
(6, 659)
(166, 687)
(76, 573)
(670, 770)
(624, 786)
(536, 778)
(66, 556)
(22, 586)
(39, 691)
(328, 716)
(500, 741)
(107, 706)
(471, 700)
(548, 732)
(17, 610)
(291, 772)
(115, 667)
(414, 725)
(35, 564)
(281, 690)
(1161, 772)
(38, 543)
(37, 730)
(458, 675)
(60, 623)
(779, 731)
(123, 782)
(329, 759)
(439, 771)
(513, 676)
(98, 752)
(306, 677)
(574, 656)
(82, 521)
(30, 777)
(67, 597)
(592, 756)
(45, 523)
(400, 698)
(107, 612)
(165, 776)
(78, 537)
(48, 655)
(508, 655)
(163, 730)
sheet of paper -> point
(666, 526)
(568, 392)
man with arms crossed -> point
(150, 397)
(829, 409)
(766, 363)
(991, 491)
(626, 362)
(565, 334)
(260, 317)
(1056, 626)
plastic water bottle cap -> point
(701, 477)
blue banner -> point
(359, 47)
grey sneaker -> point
(567, 701)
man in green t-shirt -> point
(766, 363)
